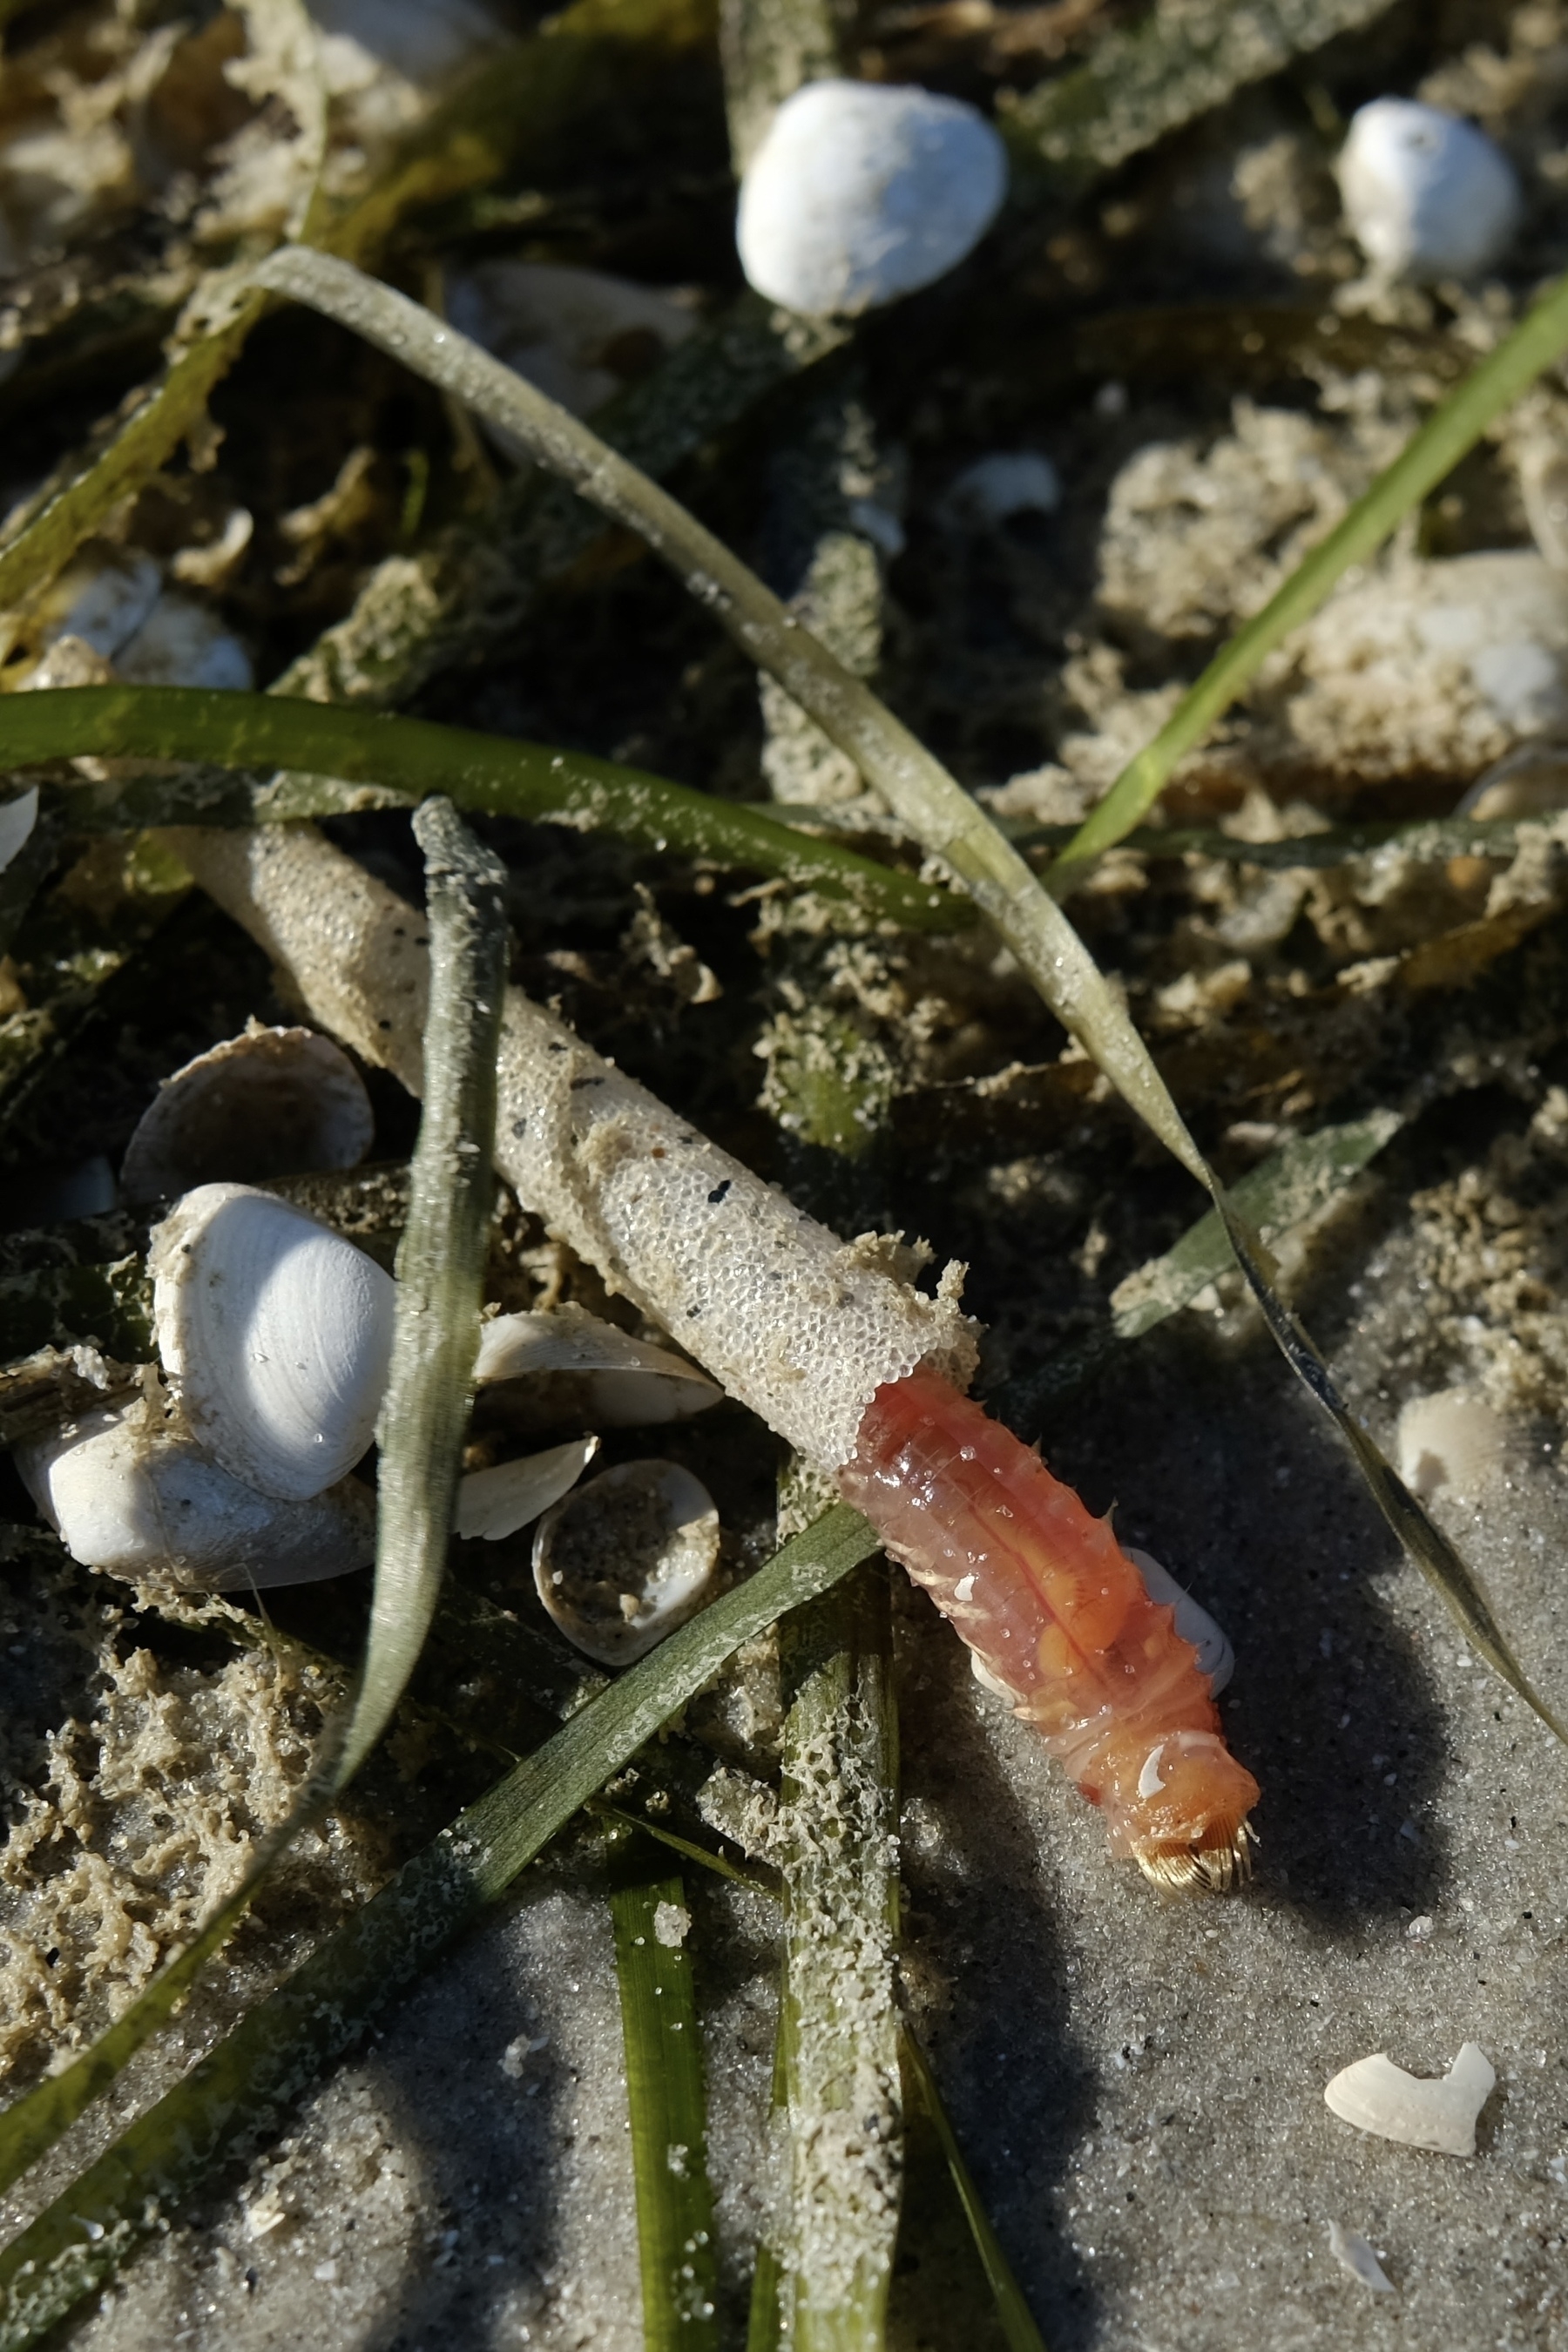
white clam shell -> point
(1426, 194)
(495, 1502)
(270, 1102)
(1216, 1659)
(860, 192)
(1378, 2096)
(276, 1333)
(618, 1382)
(626, 1558)
(128, 1491)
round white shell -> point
(129, 1492)
(626, 1558)
(1378, 2096)
(1426, 194)
(860, 192)
(623, 1383)
(270, 1102)
(278, 1334)
(496, 1503)
(1216, 1659)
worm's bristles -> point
(1211, 1870)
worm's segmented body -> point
(1056, 1611)
(827, 1341)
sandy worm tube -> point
(859, 1372)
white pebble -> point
(1353, 2254)
(1008, 482)
(860, 192)
(1426, 194)
(1451, 1440)
(1378, 2096)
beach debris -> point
(1356, 2258)
(575, 1365)
(1378, 2096)
(129, 1490)
(1531, 782)
(270, 1102)
(1426, 194)
(860, 192)
(623, 1561)
(1451, 1442)
(276, 1333)
(498, 1502)
(17, 818)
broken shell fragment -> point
(1356, 2258)
(270, 1102)
(276, 1333)
(496, 1503)
(1216, 1659)
(1426, 194)
(132, 1492)
(627, 1559)
(1378, 2096)
(860, 192)
(578, 1367)
(1451, 1440)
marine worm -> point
(860, 1372)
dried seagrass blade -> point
(949, 824)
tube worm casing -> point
(826, 1342)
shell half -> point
(132, 1493)
(276, 1333)
(270, 1102)
(495, 1502)
(577, 1367)
(626, 1558)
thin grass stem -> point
(678, 2260)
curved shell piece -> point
(270, 1102)
(1216, 1659)
(1378, 2096)
(627, 1559)
(129, 1492)
(611, 1380)
(496, 1503)
(861, 192)
(278, 1334)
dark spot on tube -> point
(717, 1194)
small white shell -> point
(127, 1492)
(1451, 1440)
(559, 327)
(278, 1334)
(496, 1503)
(627, 1559)
(1426, 194)
(1530, 781)
(101, 600)
(860, 192)
(1378, 2096)
(183, 643)
(1006, 483)
(616, 1382)
(1216, 1659)
(1354, 2256)
(270, 1102)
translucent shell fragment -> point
(1056, 1611)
